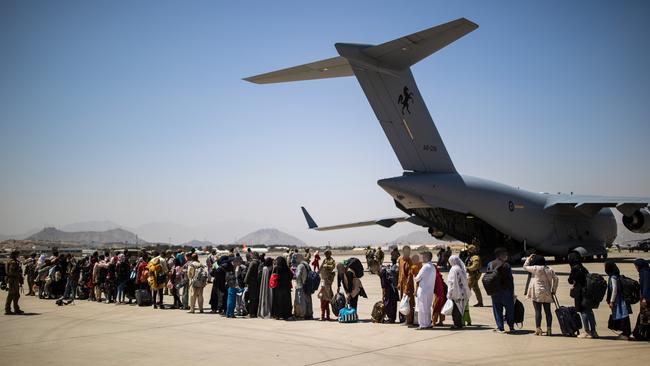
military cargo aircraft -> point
(431, 192)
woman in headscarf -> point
(352, 287)
(457, 290)
(541, 291)
(578, 278)
(266, 295)
(642, 328)
(282, 308)
(621, 310)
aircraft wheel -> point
(559, 259)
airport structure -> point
(431, 191)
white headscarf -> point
(458, 289)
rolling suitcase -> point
(143, 297)
(569, 319)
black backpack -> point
(101, 275)
(631, 290)
(312, 281)
(491, 282)
(519, 313)
(594, 290)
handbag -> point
(614, 324)
(404, 306)
(348, 315)
(448, 307)
(273, 280)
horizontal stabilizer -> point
(398, 54)
(330, 68)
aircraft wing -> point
(388, 222)
(590, 205)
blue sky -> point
(136, 112)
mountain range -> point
(87, 237)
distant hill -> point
(198, 244)
(416, 238)
(87, 237)
(92, 226)
(270, 237)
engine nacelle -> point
(436, 233)
(639, 222)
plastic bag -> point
(404, 306)
(448, 308)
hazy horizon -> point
(135, 112)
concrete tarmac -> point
(87, 333)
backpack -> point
(594, 290)
(356, 265)
(200, 277)
(631, 290)
(311, 282)
(101, 275)
(491, 282)
(378, 312)
(519, 313)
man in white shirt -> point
(426, 280)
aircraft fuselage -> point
(465, 207)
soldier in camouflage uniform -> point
(14, 283)
(473, 267)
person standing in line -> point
(390, 295)
(281, 308)
(474, 270)
(379, 256)
(458, 290)
(503, 298)
(643, 320)
(578, 278)
(327, 271)
(252, 281)
(405, 283)
(265, 295)
(30, 273)
(620, 308)
(316, 262)
(199, 278)
(426, 280)
(302, 305)
(541, 291)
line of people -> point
(413, 289)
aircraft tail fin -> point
(310, 221)
(384, 73)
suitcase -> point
(338, 303)
(568, 318)
(143, 297)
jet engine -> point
(638, 222)
(436, 233)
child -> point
(325, 295)
(315, 263)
